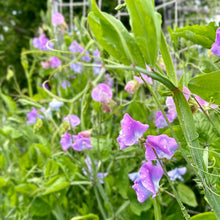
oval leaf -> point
(204, 216)
(187, 196)
(207, 86)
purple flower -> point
(164, 146)
(96, 54)
(57, 19)
(177, 173)
(81, 143)
(171, 106)
(131, 86)
(76, 67)
(41, 42)
(65, 84)
(32, 116)
(160, 121)
(73, 120)
(131, 131)
(108, 80)
(54, 62)
(133, 176)
(216, 46)
(145, 77)
(66, 141)
(76, 48)
(203, 103)
(55, 105)
(96, 69)
(148, 183)
(100, 176)
(102, 93)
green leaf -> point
(186, 195)
(39, 207)
(114, 37)
(51, 169)
(203, 35)
(56, 184)
(26, 188)
(2, 182)
(207, 86)
(11, 104)
(146, 26)
(89, 216)
(204, 216)
(2, 160)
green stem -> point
(157, 210)
(100, 203)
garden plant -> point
(106, 129)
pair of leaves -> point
(114, 37)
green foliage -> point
(208, 91)
(203, 35)
(114, 38)
(146, 26)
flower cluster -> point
(146, 181)
(53, 62)
(41, 42)
(78, 142)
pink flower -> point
(102, 93)
(57, 19)
(131, 86)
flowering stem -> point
(183, 209)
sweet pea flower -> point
(102, 93)
(73, 120)
(81, 143)
(66, 141)
(45, 65)
(133, 176)
(41, 42)
(65, 84)
(160, 121)
(55, 105)
(54, 62)
(216, 46)
(164, 146)
(76, 67)
(147, 184)
(97, 69)
(76, 48)
(131, 86)
(108, 80)
(177, 173)
(171, 106)
(57, 19)
(100, 176)
(32, 116)
(131, 131)
(145, 77)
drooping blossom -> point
(171, 106)
(216, 46)
(32, 116)
(131, 86)
(145, 77)
(147, 184)
(100, 176)
(85, 134)
(57, 19)
(41, 42)
(66, 141)
(108, 80)
(76, 67)
(81, 143)
(54, 62)
(160, 121)
(131, 131)
(164, 146)
(177, 173)
(55, 105)
(102, 93)
(65, 84)
(73, 120)
(45, 65)
(76, 48)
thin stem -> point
(100, 203)
(157, 210)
